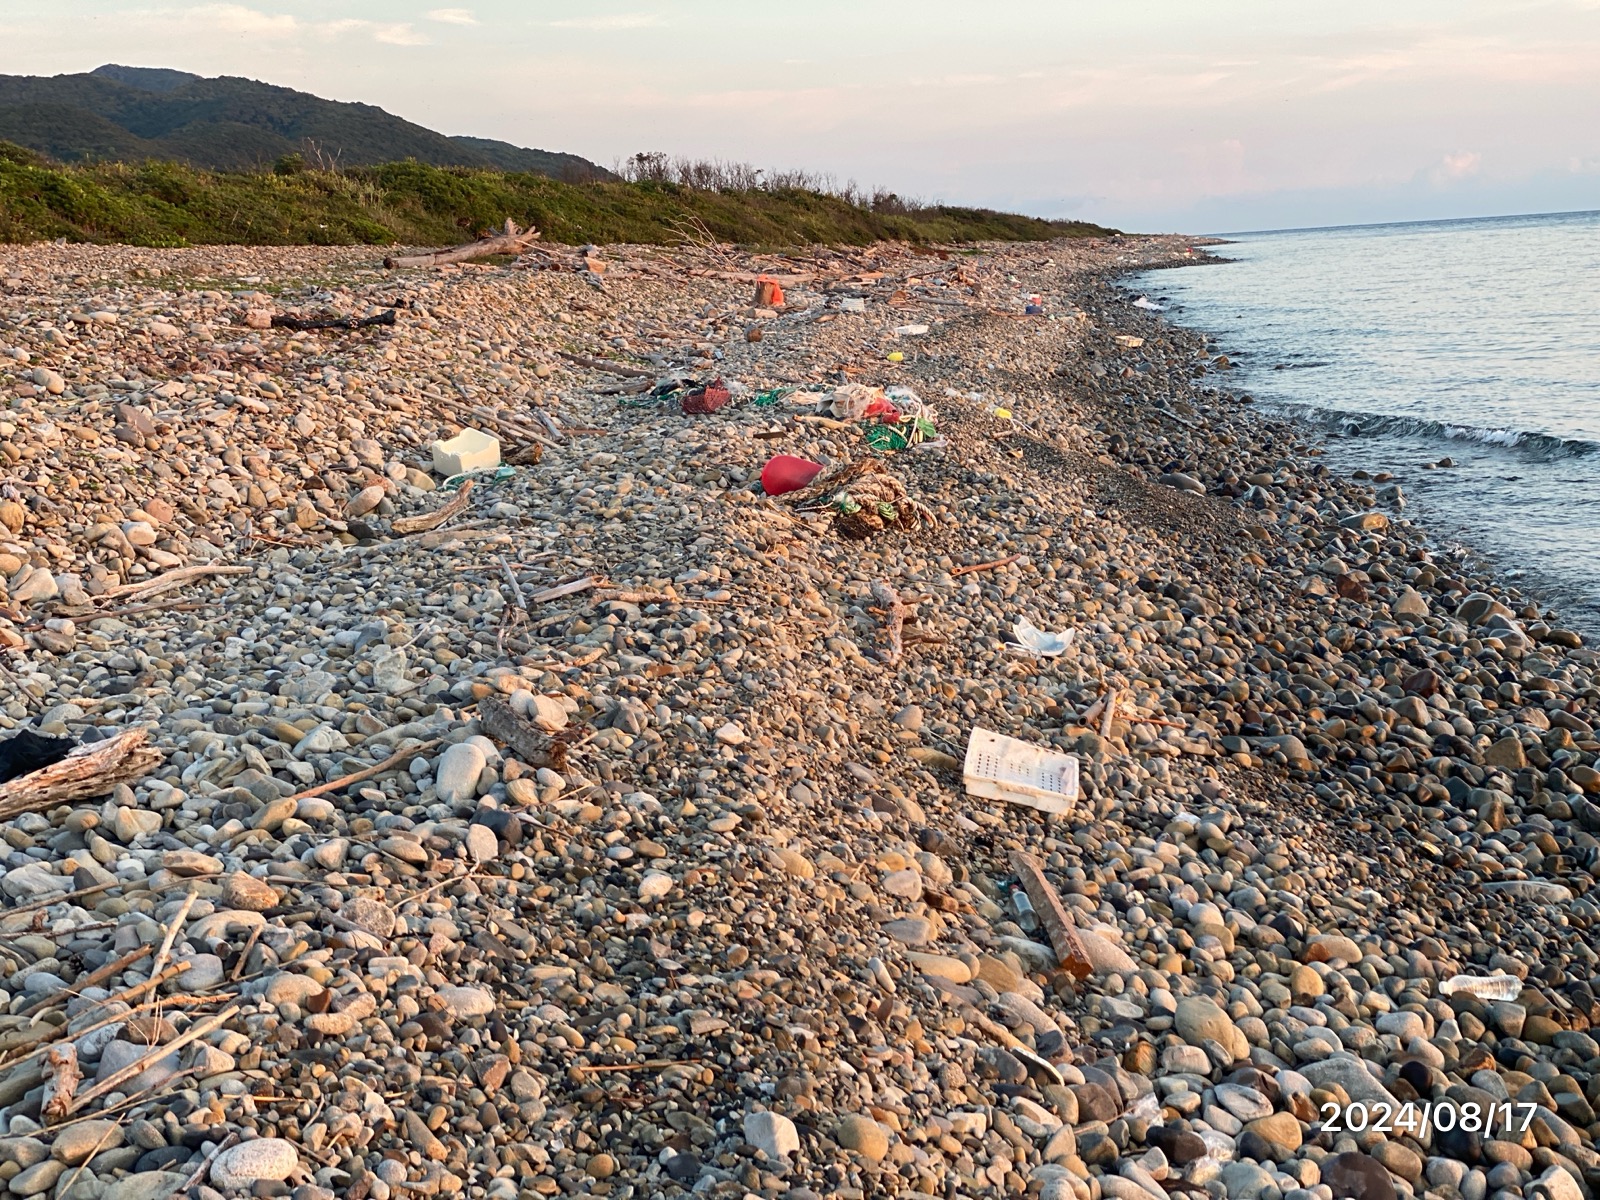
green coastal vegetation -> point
(156, 203)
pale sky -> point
(1193, 115)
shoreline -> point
(744, 932)
(1499, 462)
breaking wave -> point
(1542, 447)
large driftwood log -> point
(512, 241)
(303, 324)
(89, 771)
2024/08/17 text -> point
(1416, 1119)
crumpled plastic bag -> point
(1041, 642)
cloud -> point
(252, 22)
(398, 35)
(236, 18)
(1457, 166)
(613, 22)
(453, 16)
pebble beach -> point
(606, 834)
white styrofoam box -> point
(469, 450)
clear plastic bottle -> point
(1485, 987)
(1023, 907)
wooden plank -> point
(1070, 954)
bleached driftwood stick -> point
(427, 521)
(895, 614)
(89, 771)
(512, 241)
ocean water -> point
(1477, 341)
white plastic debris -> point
(1037, 641)
(1485, 987)
(853, 304)
(469, 450)
(1002, 768)
(1146, 303)
(1537, 890)
(910, 330)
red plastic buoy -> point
(786, 473)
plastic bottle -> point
(1485, 987)
(1023, 907)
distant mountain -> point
(232, 124)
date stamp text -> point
(1418, 1118)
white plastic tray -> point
(1003, 768)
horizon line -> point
(1576, 212)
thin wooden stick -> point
(334, 785)
(111, 1128)
(52, 934)
(986, 566)
(129, 1102)
(244, 955)
(94, 978)
(199, 1172)
(117, 1078)
(64, 896)
(172, 933)
(610, 368)
(654, 1064)
(516, 588)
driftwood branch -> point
(566, 589)
(465, 410)
(333, 785)
(532, 745)
(168, 580)
(511, 241)
(895, 613)
(1063, 937)
(433, 520)
(302, 324)
(606, 365)
(1108, 714)
(116, 1079)
(61, 1079)
(89, 771)
(986, 566)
